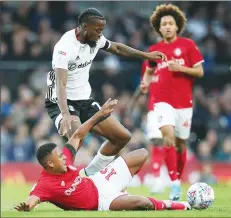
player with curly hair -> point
(172, 101)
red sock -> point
(171, 161)
(156, 159)
(181, 160)
(157, 204)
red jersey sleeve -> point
(69, 151)
(195, 56)
(151, 64)
(41, 191)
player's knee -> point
(169, 140)
(125, 137)
(143, 154)
(168, 135)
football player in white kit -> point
(68, 100)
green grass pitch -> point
(13, 194)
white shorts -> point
(153, 130)
(181, 119)
(110, 182)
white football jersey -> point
(71, 55)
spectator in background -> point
(204, 151)
(22, 148)
(206, 175)
(197, 24)
(6, 105)
(209, 54)
(224, 154)
(7, 133)
(212, 139)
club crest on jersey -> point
(177, 51)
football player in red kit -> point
(61, 184)
(173, 101)
(154, 135)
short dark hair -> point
(43, 151)
(165, 10)
(89, 14)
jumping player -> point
(61, 184)
(173, 99)
(153, 133)
(68, 100)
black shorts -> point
(84, 109)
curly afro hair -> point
(168, 10)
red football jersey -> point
(175, 88)
(68, 191)
(153, 86)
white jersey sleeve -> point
(61, 57)
(104, 43)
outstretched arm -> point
(126, 51)
(31, 202)
(81, 132)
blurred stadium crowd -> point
(31, 29)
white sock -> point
(98, 163)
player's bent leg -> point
(133, 202)
(116, 176)
(115, 132)
(135, 160)
(182, 132)
(117, 135)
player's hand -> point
(174, 66)
(143, 87)
(66, 124)
(22, 207)
(156, 55)
(108, 107)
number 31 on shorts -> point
(108, 172)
